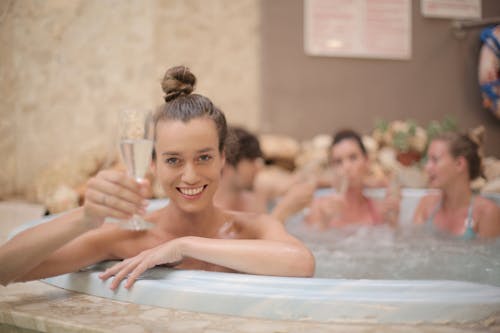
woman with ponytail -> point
(454, 160)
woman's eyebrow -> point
(206, 150)
(171, 153)
(174, 153)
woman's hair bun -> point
(477, 135)
(177, 81)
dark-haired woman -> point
(453, 161)
(348, 205)
(190, 232)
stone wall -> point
(68, 66)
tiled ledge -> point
(39, 307)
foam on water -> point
(407, 253)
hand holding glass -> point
(136, 146)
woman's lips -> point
(191, 192)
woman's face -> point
(188, 163)
(441, 166)
(245, 172)
(349, 161)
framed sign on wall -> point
(458, 9)
(358, 28)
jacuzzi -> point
(341, 292)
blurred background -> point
(68, 66)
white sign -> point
(458, 9)
(358, 28)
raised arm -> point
(298, 197)
(63, 244)
(390, 205)
(275, 252)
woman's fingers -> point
(139, 269)
(118, 185)
(112, 270)
(130, 265)
(109, 204)
(131, 268)
(114, 194)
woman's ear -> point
(223, 159)
(461, 163)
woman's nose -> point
(189, 174)
(427, 166)
(345, 166)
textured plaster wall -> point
(68, 66)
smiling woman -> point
(453, 162)
(189, 233)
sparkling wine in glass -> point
(136, 147)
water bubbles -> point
(409, 253)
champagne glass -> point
(136, 147)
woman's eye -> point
(336, 162)
(205, 158)
(172, 161)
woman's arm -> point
(47, 249)
(295, 199)
(390, 205)
(29, 248)
(275, 253)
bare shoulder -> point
(252, 219)
(487, 215)
(255, 225)
(485, 207)
(424, 207)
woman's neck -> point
(195, 223)
(456, 195)
(355, 195)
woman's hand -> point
(114, 194)
(324, 210)
(168, 253)
(390, 209)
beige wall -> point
(68, 66)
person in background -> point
(453, 161)
(244, 160)
(188, 233)
(348, 205)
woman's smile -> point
(191, 192)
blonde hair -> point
(468, 146)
